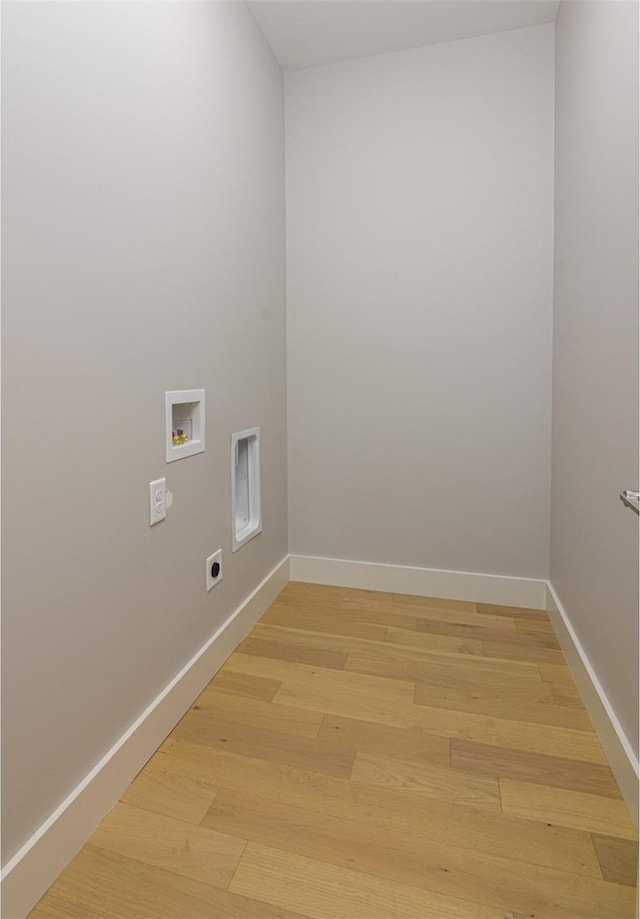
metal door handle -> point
(631, 499)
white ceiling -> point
(305, 33)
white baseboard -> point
(617, 748)
(39, 862)
(422, 582)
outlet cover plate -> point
(157, 501)
(216, 557)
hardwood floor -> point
(370, 756)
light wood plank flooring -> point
(370, 756)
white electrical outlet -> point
(157, 501)
(214, 569)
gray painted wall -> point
(143, 238)
(594, 539)
(419, 273)
(143, 250)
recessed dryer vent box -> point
(246, 498)
(185, 423)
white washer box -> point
(184, 412)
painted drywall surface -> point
(594, 539)
(419, 273)
(143, 251)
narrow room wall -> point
(419, 271)
(594, 539)
(143, 251)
